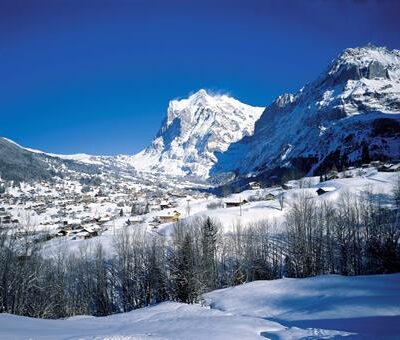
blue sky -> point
(96, 76)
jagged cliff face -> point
(194, 130)
(350, 112)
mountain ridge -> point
(351, 108)
(347, 115)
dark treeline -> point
(357, 235)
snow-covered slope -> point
(194, 129)
(80, 157)
(323, 307)
(350, 113)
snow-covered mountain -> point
(194, 129)
(351, 113)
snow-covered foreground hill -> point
(314, 308)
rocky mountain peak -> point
(194, 129)
(367, 62)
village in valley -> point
(81, 208)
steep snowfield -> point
(194, 129)
(354, 105)
(323, 307)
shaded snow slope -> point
(323, 307)
(194, 129)
(368, 306)
(327, 297)
(351, 112)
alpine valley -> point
(236, 222)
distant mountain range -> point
(349, 115)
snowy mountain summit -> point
(194, 129)
(350, 114)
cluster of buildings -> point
(68, 208)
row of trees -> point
(359, 235)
